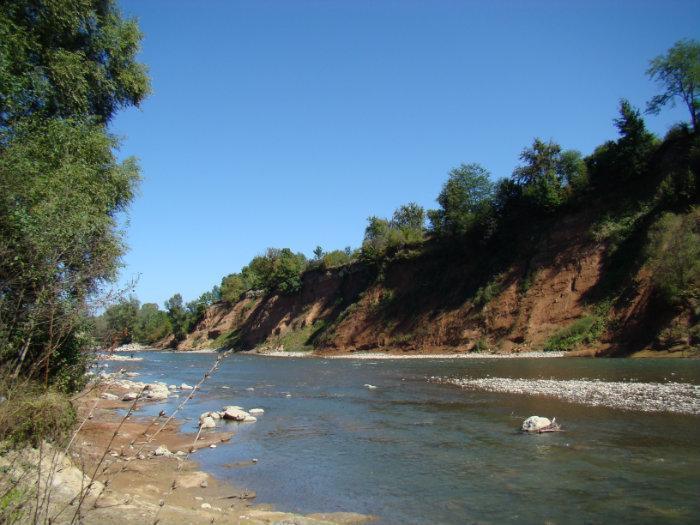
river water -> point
(416, 451)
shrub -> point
(32, 414)
(674, 257)
(585, 330)
(488, 292)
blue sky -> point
(288, 123)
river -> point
(415, 451)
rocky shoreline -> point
(142, 466)
(682, 398)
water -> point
(412, 451)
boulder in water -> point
(535, 424)
(235, 414)
(207, 422)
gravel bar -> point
(683, 398)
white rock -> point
(206, 506)
(235, 414)
(157, 391)
(250, 419)
(111, 397)
(172, 387)
(207, 422)
(163, 451)
(185, 386)
(535, 423)
(232, 407)
(256, 411)
(371, 387)
(129, 396)
(250, 389)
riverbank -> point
(395, 355)
(145, 469)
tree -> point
(546, 172)
(67, 59)
(232, 287)
(464, 198)
(318, 253)
(152, 324)
(65, 68)
(177, 315)
(628, 157)
(409, 217)
(120, 321)
(678, 72)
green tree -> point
(65, 67)
(678, 72)
(547, 174)
(284, 270)
(628, 157)
(121, 320)
(177, 315)
(233, 286)
(464, 199)
(318, 253)
(152, 324)
(68, 59)
(335, 258)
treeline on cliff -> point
(643, 190)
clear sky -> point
(287, 123)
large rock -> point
(130, 396)
(162, 451)
(185, 386)
(234, 414)
(157, 391)
(535, 423)
(256, 411)
(109, 397)
(207, 422)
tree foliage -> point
(68, 59)
(627, 158)
(65, 68)
(678, 72)
(546, 173)
(465, 198)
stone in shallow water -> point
(535, 423)
(207, 422)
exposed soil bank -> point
(438, 301)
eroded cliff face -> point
(433, 304)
